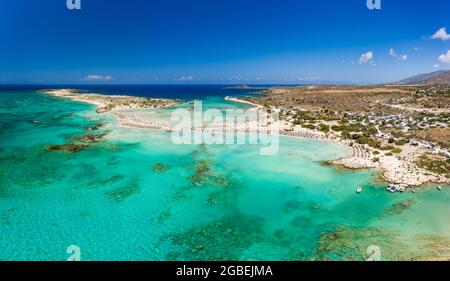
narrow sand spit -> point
(106, 103)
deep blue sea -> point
(183, 92)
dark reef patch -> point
(112, 179)
(159, 168)
(69, 148)
(353, 244)
(95, 127)
(78, 143)
(220, 240)
(89, 138)
(399, 207)
(204, 174)
(122, 193)
(201, 173)
(64, 116)
(163, 216)
(224, 196)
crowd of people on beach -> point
(357, 150)
(131, 120)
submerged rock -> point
(221, 181)
(159, 168)
(165, 215)
(202, 173)
(224, 239)
(95, 127)
(399, 207)
(112, 179)
(90, 138)
(123, 193)
(354, 244)
(71, 148)
(78, 143)
(64, 116)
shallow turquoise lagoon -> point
(137, 196)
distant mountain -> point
(438, 77)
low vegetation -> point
(434, 163)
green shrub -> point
(324, 128)
(388, 147)
(402, 142)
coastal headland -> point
(107, 103)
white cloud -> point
(186, 78)
(441, 34)
(97, 78)
(394, 54)
(365, 58)
(309, 79)
(436, 66)
(445, 57)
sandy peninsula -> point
(106, 103)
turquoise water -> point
(137, 196)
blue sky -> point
(221, 41)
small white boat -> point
(393, 187)
(359, 190)
(401, 188)
(390, 186)
(439, 187)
